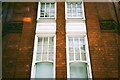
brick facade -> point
(60, 42)
(18, 47)
(104, 45)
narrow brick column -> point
(61, 71)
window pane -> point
(46, 14)
(71, 42)
(81, 41)
(47, 5)
(82, 48)
(44, 56)
(71, 49)
(39, 48)
(71, 56)
(83, 56)
(44, 70)
(50, 56)
(77, 56)
(52, 14)
(38, 57)
(42, 5)
(76, 41)
(42, 15)
(77, 53)
(45, 40)
(68, 5)
(51, 49)
(78, 70)
(78, 5)
(52, 5)
(39, 41)
(51, 41)
(45, 48)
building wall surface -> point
(102, 43)
(17, 47)
(61, 69)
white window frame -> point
(39, 9)
(81, 17)
(87, 55)
(35, 54)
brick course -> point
(60, 42)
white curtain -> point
(78, 70)
(44, 70)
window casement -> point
(78, 62)
(46, 9)
(74, 9)
(43, 65)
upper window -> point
(47, 10)
(74, 9)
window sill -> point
(46, 20)
(75, 17)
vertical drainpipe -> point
(117, 39)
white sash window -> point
(47, 10)
(43, 65)
(78, 63)
(74, 9)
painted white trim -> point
(74, 0)
(54, 57)
(45, 35)
(46, 28)
(38, 11)
(76, 28)
(83, 10)
(47, 0)
(65, 10)
(67, 57)
(88, 56)
(55, 10)
(35, 55)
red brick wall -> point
(102, 44)
(60, 42)
(18, 47)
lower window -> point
(44, 58)
(77, 58)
